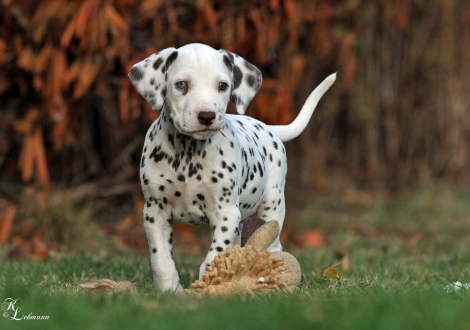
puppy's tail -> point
(291, 131)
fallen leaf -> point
(109, 286)
(330, 272)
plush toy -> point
(250, 268)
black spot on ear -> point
(157, 63)
(237, 77)
(251, 80)
(136, 74)
(227, 63)
(170, 59)
(250, 66)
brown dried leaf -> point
(109, 286)
(330, 272)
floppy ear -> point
(246, 80)
(149, 76)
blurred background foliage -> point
(72, 126)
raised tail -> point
(291, 131)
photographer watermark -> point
(12, 311)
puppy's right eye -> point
(181, 84)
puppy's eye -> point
(181, 84)
(223, 86)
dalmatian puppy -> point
(203, 166)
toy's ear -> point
(264, 236)
(246, 80)
(149, 76)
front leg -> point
(159, 230)
(225, 233)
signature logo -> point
(12, 311)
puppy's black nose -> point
(206, 117)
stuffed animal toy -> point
(250, 268)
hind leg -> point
(273, 207)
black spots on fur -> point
(254, 190)
(275, 145)
(230, 169)
(214, 179)
(219, 249)
(199, 177)
(225, 218)
(200, 196)
(227, 62)
(267, 208)
(221, 152)
(156, 64)
(237, 231)
(224, 164)
(142, 161)
(170, 221)
(227, 242)
(192, 170)
(224, 229)
(136, 74)
(152, 81)
(252, 81)
(271, 158)
(250, 67)
(157, 155)
(171, 140)
(170, 240)
(154, 250)
(165, 200)
(169, 181)
(220, 175)
(144, 179)
(177, 194)
(260, 168)
(163, 92)
(279, 202)
(160, 206)
(270, 134)
(161, 188)
(252, 176)
(237, 77)
(204, 154)
(232, 145)
(181, 177)
(279, 163)
(170, 59)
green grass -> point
(402, 255)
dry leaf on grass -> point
(330, 272)
(109, 286)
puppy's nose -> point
(206, 117)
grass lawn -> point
(402, 254)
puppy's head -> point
(195, 82)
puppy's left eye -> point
(181, 84)
(223, 86)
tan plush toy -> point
(250, 268)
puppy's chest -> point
(186, 182)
